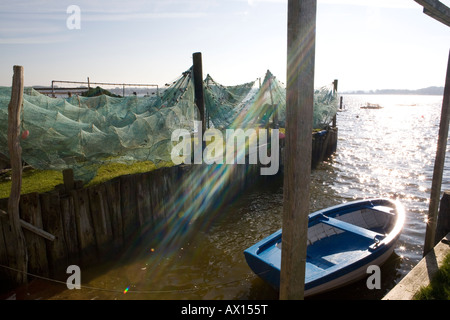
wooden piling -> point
(53, 223)
(30, 208)
(430, 234)
(130, 219)
(335, 89)
(15, 153)
(70, 229)
(85, 228)
(101, 222)
(68, 178)
(198, 86)
(275, 123)
(297, 168)
(143, 201)
(113, 197)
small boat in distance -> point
(372, 106)
(343, 241)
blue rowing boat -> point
(343, 241)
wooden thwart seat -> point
(342, 225)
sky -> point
(365, 44)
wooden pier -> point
(422, 274)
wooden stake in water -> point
(297, 170)
(438, 167)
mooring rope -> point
(135, 291)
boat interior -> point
(338, 239)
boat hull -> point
(339, 252)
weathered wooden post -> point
(206, 110)
(275, 123)
(335, 88)
(200, 102)
(438, 167)
(69, 182)
(15, 153)
(198, 86)
(299, 118)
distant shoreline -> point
(432, 91)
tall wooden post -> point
(335, 88)
(198, 86)
(438, 167)
(275, 123)
(299, 119)
(15, 154)
(206, 110)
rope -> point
(134, 291)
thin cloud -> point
(399, 4)
(35, 40)
(366, 3)
(31, 30)
(30, 22)
(102, 16)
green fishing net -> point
(83, 133)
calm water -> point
(386, 152)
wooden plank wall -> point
(92, 224)
(88, 223)
(323, 146)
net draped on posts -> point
(84, 133)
